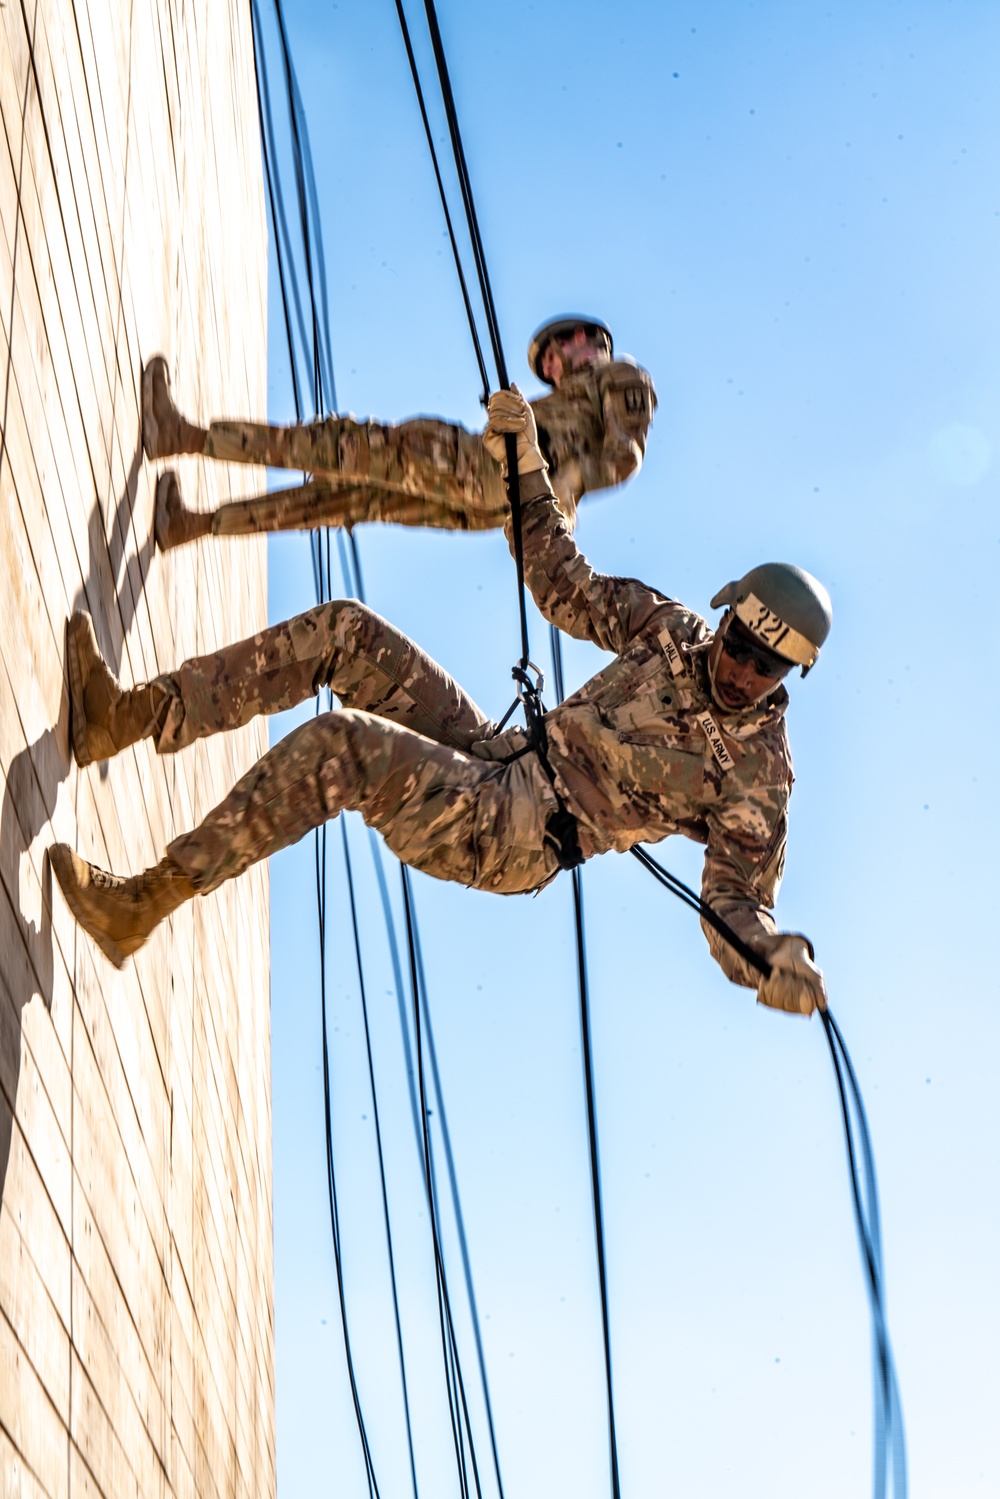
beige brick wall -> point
(136, 1299)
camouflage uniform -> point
(638, 753)
(405, 751)
(642, 750)
(428, 472)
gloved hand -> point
(796, 984)
(510, 412)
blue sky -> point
(789, 213)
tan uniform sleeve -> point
(744, 863)
(586, 604)
(628, 400)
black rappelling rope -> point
(889, 1447)
(483, 375)
(889, 1455)
(454, 1380)
(442, 1116)
(276, 202)
(465, 186)
(322, 373)
(331, 1177)
(528, 690)
(319, 362)
(305, 182)
(453, 1183)
(595, 1168)
(381, 1159)
(460, 1409)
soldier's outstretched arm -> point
(587, 604)
(744, 862)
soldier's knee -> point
(351, 621)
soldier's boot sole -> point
(119, 914)
(174, 525)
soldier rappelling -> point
(684, 732)
(425, 472)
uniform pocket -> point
(512, 809)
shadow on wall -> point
(116, 595)
(33, 780)
(35, 774)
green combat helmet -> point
(561, 327)
(786, 608)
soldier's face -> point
(552, 362)
(741, 682)
(563, 355)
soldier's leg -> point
(305, 507)
(423, 472)
(447, 813)
(342, 645)
(343, 759)
(326, 501)
(440, 810)
(423, 457)
(166, 432)
(436, 462)
(302, 507)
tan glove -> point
(796, 984)
(510, 412)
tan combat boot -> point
(175, 524)
(104, 718)
(119, 913)
(164, 430)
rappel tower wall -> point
(136, 1289)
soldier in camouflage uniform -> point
(682, 733)
(426, 472)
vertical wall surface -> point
(136, 1303)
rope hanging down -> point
(289, 285)
(562, 827)
(461, 1425)
(315, 346)
(889, 1445)
(529, 691)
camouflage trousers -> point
(418, 473)
(409, 750)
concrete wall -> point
(136, 1302)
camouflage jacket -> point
(592, 430)
(642, 750)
